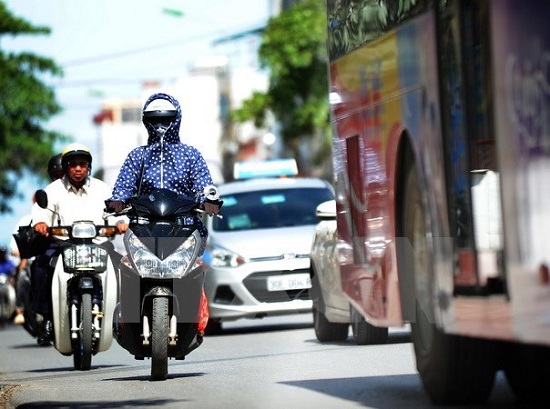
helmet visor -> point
(160, 121)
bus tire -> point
(454, 369)
(527, 371)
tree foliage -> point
(26, 103)
(293, 48)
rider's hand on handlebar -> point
(211, 208)
(121, 226)
(41, 228)
(115, 206)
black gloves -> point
(212, 207)
(114, 206)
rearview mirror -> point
(41, 198)
(326, 210)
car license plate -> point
(288, 282)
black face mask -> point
(160, 125)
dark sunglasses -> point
(75, 163)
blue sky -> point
(107, 49)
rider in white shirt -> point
(76, 196)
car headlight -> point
(222, 257)
(85, 257)
(148, 265)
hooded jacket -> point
(163, 163)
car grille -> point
(256, 284)
(280, 257)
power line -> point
(104, 81)
(120, 54)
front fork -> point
(172, 335)
(81, 286)
(173, 329)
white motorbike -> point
(84, 290)
(7, 300)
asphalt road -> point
(274, 363)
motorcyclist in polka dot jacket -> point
(165, 162)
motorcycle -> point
(84, 290)
(7, 300)
(161, 280)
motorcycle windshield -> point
(162, 220)
(162, 204)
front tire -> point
(326, 331)
(159, 340)
(82, 350)
(365, 333)
(453, 369)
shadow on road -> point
(397, 338)
(71, 369)
(101, 404)
(259, 327)
(147, 377)
(397, 392)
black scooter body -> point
(160, 220)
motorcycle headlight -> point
(85, 257)
(84, 230)
(148, 265)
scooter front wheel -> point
(159, 340)
(82, 347)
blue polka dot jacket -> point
(166, 163)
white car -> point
(257, 255)
(332, 312)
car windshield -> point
(266, 209)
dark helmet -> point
(75, 149)
(159, 115)
(55, 167)
(3, 252)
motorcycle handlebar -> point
(67, 231)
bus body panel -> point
(382, 89)
(521, 54)
(387, 90)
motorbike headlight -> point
(84, 230)
(148, 265)
(85, 257)
(222, 257)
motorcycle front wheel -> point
(82, 347)
(159, 340)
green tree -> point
(293, 49)
(25, 104)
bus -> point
(440, 114)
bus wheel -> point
(527, 370)
(454, 370)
